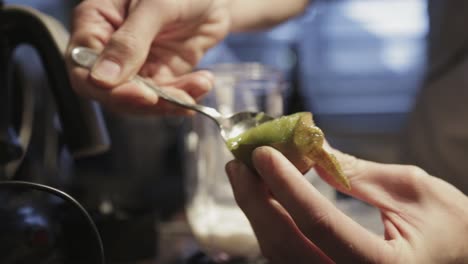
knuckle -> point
(322, 223)
(84, 8)
(124, 44)
(414, 174)
(79, 9)
(321, 220)
(412, 183)
(350, 164)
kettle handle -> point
(81, 120)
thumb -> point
(128, 47)
(376, 183)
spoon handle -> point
(86, 58)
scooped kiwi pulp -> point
(296, 137)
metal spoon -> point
(229, 126)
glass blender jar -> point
(220, 227)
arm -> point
(249, 15)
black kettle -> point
(81, 120)
(39, 223)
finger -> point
(134, 93)
(333, 232)
(279, 238)
(168, 62)
(379, 184)
(128, 47)
(195, 84)
(92, 25)
(137, 98)
(188, 88)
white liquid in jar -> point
(222, 229)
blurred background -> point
(358, 66)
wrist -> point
(247, 15)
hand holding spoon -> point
(229, 126)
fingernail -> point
(258, 152)
(106, 70)
(206, 82)
(208, 75)
(149, 95)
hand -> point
(162, 40)
(425, 219)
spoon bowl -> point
(240, 122)
(229, 126)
